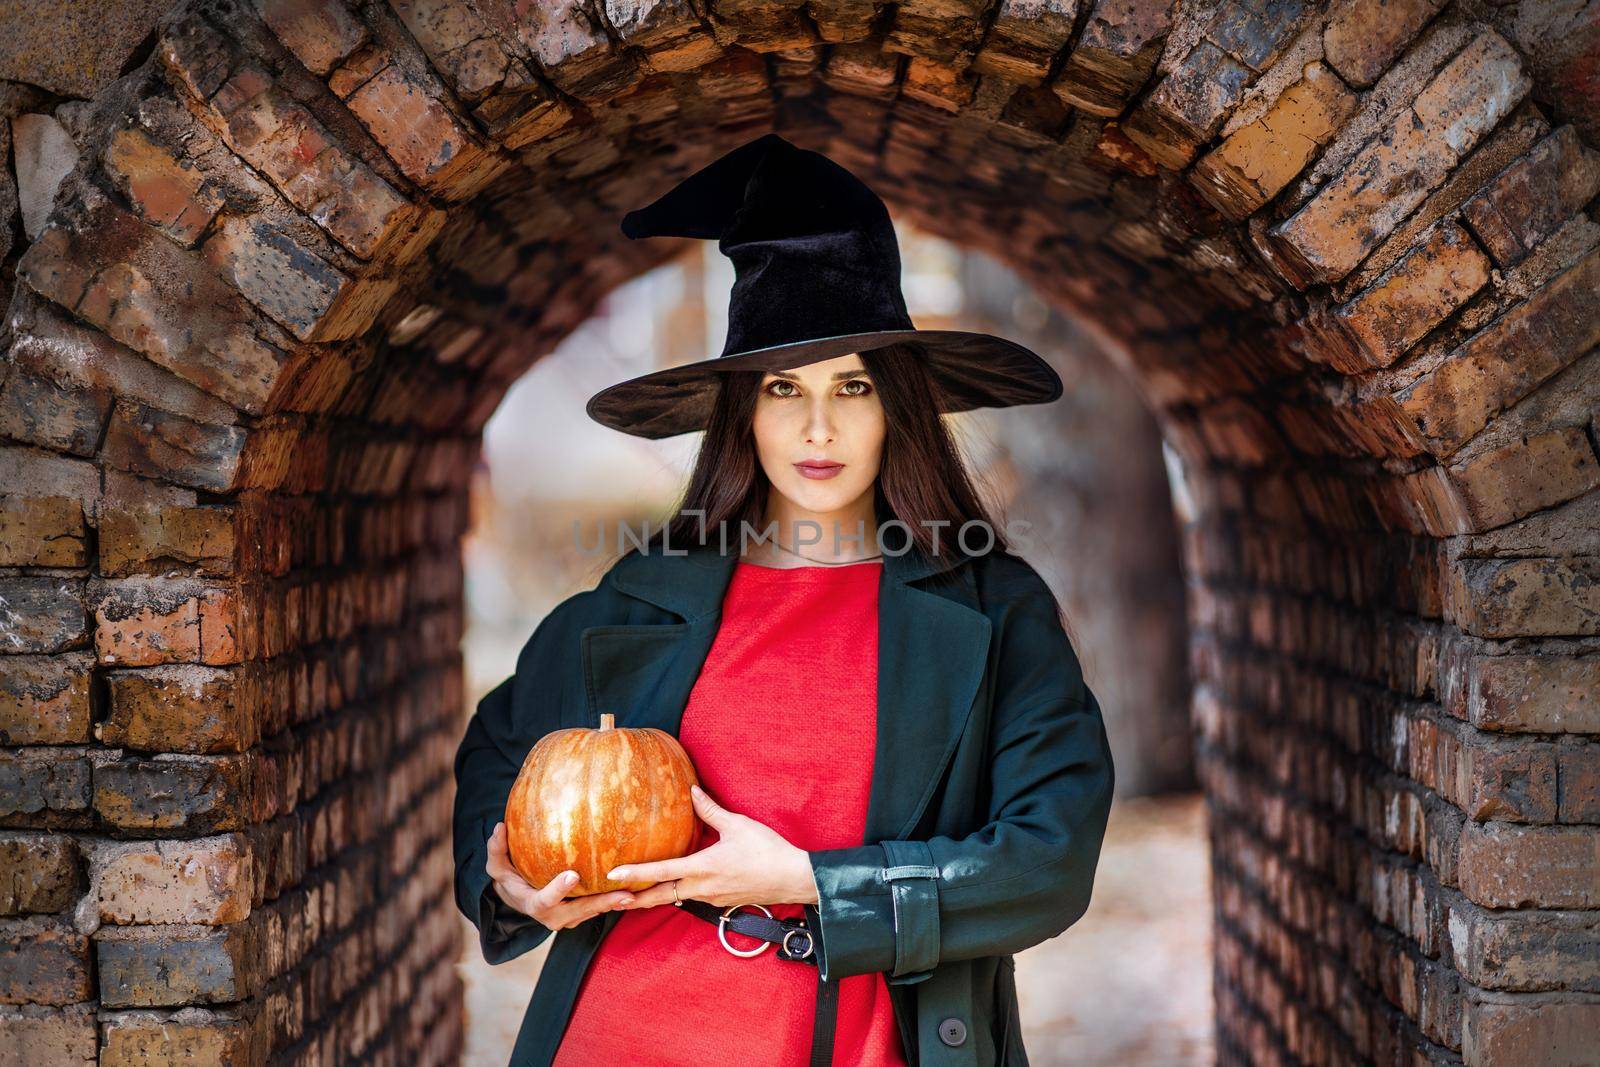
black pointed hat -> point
(816, 275)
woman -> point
(906, 779)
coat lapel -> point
(933, 645)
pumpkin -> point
(587, 800)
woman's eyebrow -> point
(858, 372)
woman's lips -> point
(819, 470)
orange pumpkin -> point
(587, 800)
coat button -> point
(952, 1031)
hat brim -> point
(974, 370)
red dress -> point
(795, 657)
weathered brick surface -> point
(158, 300)
(183, 708)
(1534, 196)
(36, 1036)
(1419, 292)
(1363, 37)
(140, 622)
(1116, 52)
(1505, 866)
(1024, 38)
(157, 444)
(299, 290)
(51, 414)
(167, 192)
(42, 614)
(43, 787)
(187, 794)
(39, 873)
(1542, 694)
(1392, 175)
(153, 538)
(321, 33)
(1532, 597)
(1501, 364)
(200, 881)
(284, 141)
(42, 531)
(1537, 1033)
(163, 966)
(1513, 480)
(236, 1037)
(43, 960)
(1257, 161)
(45, 700)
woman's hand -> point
(547, 905)
(750, 863)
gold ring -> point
(675, 899)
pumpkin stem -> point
(606, 719)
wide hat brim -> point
(973, 370)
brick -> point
(191, 794)
(201, 881)
(1383, 321)
(37, 1036)
(1540, 694)
(167, 966)
(44, 700)
(158, 444)
(1363, 37)
(1119, 46)
(1537, 1032)
(37, 783)
(1526, 597)
(426, 140)
(1328, 237)
(671, 35)
(296, 288)
(183, 708)
(1024, 37)
(1505, 866)
(1508, 780)
(190, 1036)
(1530, 473)
(291, 149)
(154, 538)
(1578, 771)
(159, 300)
(60, 416)
(39, 873)
(43, 960)
(42, 531)
(1505, 361)
(1258, 160)
(1525, 951)
(576, 54)
(1189, 105)
(321, 33)
(42, 614)
(1532, 198)
(166, 192)
(141, 622)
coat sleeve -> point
(509, 721)
(902, 907)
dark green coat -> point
(991, 784)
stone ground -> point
(1129, 984)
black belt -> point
(796, 940)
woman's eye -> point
(776, 387)
(866, 387)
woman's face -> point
(829, 413)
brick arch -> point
(1346, 251)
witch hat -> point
(816, 275)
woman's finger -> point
(576, 911)
(660, 893)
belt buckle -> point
(722, 928)
(810, 943)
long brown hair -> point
(922, 479)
